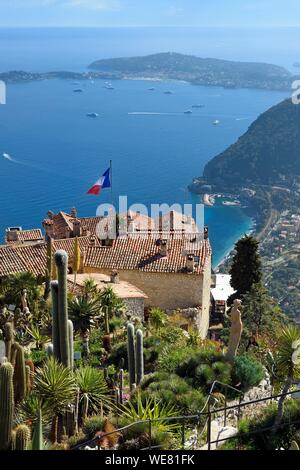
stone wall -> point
(171, 291)
(135, 306)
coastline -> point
(229, 253)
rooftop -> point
(122, 289)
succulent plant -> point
(22, 437)
(131, 354)
(7, 405)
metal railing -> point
(207, 415)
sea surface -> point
(57, 152)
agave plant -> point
(83, 312)
(37, 336)
(151, 409)
(93, 388)
(288, 365)
(54, 384)
(28, 410)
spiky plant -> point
(55, 385)
(150, 409)
(91, 382)
(288, 364)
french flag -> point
(103, 182)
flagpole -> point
(111, 181)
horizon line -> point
(225, 26)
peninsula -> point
(199, 71)
(173, 66)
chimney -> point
(172, 221)
(50, 215)
(49, 228)
(163, 248)
(205, 232)
(160, 222)
(76, 228)
(11, 235)
(190, 263)
(92, 241)
(114, 277)
(74, 212)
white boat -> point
(93, 115)
(216, 122)
(188, 111)
(7, 156)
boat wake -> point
(9, 158)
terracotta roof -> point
(123, 289)
(143, 254)
(23, 236)
(62, 222)
(32, 258)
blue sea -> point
(57, 152)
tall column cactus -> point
(22, 437)
(61, 261)
(121, 386)
(37, 438)
(139, 357)
(131, 355)
(19, 379)
(55, 322)
(9, 339)
(71, 343)
(7, 405)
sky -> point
(149, 13)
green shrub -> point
(247, 371)
(171, 359)
(92, 425)
(38, 357)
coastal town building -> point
(167, 260)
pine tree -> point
(246, 269)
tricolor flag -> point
(103, 182)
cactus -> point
(13, 440)
(7, 405)
(37, 438)
(131, 354)
(139, 357)
(121, 385)
(70, 421)
(50, 350)
(55, 324)
(76, 411)
(61, 261)
(85, 406)
(19, 378)
(28, 379)
(71, 343)
(22, 437)
(106, 317)
(9, 339)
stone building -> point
(169, 264)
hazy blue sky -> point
(149, 12)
